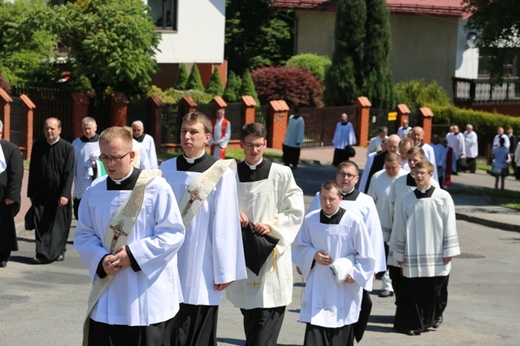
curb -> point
(488, 223)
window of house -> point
(510, 67)
(164, 13)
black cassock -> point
(10, 187)
(50, 177)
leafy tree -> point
(497, 25)
(416, 94)
(315, 64)
(377, 79)
(248, 87)
(26, 39)
(194, 80)
(112, 43)
(215, 86)
(4, 84)
(233, 85)
(297, 87)
(182, 78)
(343, 79)
(256, 35)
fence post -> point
(118, 109)
(248, 109)
(80, 102)
(5, 113)
(363, 120)
(27, 126)
(186, 105)
(426, 123)
(403, 113)
(218, 103)
(277, 123)
(155, 111)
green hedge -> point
(485, 124)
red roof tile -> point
(429, 7)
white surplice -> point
(212, 252)
(148, 153)
(325, 302)
(278, 202)
(153, 294)
(364, 207)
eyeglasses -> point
(348, 175)
(111, 159)
(253, 145)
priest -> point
(212, 257)
(51, 172)
(128, 234)
(269, 198)
(11, 174)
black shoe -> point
(61, 257)
(437, 322)
(3, 264)
(412, 332)
(386, 294)
(38, 260)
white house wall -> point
(199, 36)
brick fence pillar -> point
(5, 113)
(118, 109)
(403, 113)
(363, 120)
(218, 103)
(277, 123)
(155, 109)
(426, 123)
(27, 126)
(186, 105)
(248, 109)
(80, 102)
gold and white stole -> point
(200, 188)
(118, 230)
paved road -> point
(45, 305)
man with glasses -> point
(128, 234)
(51, 172)
(362, 205)
(269, 200)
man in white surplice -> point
(147, 146)
(334, 253)
(212, 257)
(269, 198)
(143, 299)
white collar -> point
(254, 167)
(331, 215)
(119, 181)
(191, 160)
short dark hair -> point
(201, 118)
(253, 129)
(349, 164)
(329, 185)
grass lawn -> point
(506, 198)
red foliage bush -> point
(297, 87)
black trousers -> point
(340, 155)
(160, 334)
(321, 336)
(291, 155)
(262, 325)
(197, 325)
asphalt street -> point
(46, 304)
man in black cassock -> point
(50, 181)
(11, 174)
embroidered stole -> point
(200, 188)
(117, 233)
